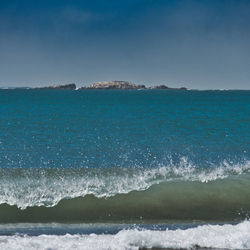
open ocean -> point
(121, 169)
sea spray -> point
(48, 186)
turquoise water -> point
(141, 160)
(44, 128)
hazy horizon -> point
(196, 44)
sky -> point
(201, 44)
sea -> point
(124, 169)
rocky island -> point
(70, 86)
(110, 85)
(114, 85)
(166, 87)
(125, 85)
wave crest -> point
(47, 187)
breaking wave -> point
(117, 194)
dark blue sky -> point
(199, 44)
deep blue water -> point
(62, 129)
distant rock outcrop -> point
(114, 85)
(110, 85)
(159, 87)
(166, 87)
(70, 86)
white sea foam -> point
(39, 188)
(210, 236)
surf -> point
(200, 237)
(29, 187)
(219, 200)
